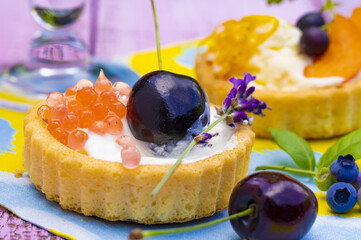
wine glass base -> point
(39, 82)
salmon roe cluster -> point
(86, 107)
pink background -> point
(126, 26)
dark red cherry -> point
(285, 208)
(312, 19)
(165, 107)
(314, 41)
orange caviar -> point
(77, 139)
(125, 141)
(44, 112)
(232, 45)
(86, 107)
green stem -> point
(152, 233)
(157, 35)
(191, 145)
(286, 169)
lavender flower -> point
(239, 101)
(203, 139)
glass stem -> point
(152, 233)
(286, 169)
(191, 145)
(157, 35)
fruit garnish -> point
(247, 34)
(165, 107)
(341, 197)
(357, 182)
(342, 56)
(311, 19)
(281, 202)
(265, 205)
(238, 102)
(344, 169)
(356, 17)
(314, 41)
(349, 145)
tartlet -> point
(108, 190)
(313, 113)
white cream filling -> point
(105, 148)
(282, 65)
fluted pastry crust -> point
(312, 113)
(108, 190)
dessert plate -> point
(21, 197)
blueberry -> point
(314, 41)
(312, 19)
(285, 208)
(344, 169)
(359, 197)
(341, 197)
(357, 182)
(165, 107)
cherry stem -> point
(151, 233)
(191, 145)
(157, 36)
(286, 169)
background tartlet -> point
(319, 112)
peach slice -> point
(342, 58)
(356, 17)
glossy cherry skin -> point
(312, 19)
(314, 41)
(285, 208)
(165, 107)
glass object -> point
(58, 57)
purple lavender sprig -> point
(204, 138)
(234, 110)
(239, 102)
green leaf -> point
(296, 147)
(330, 6)
(349, 144)
(274, 1)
